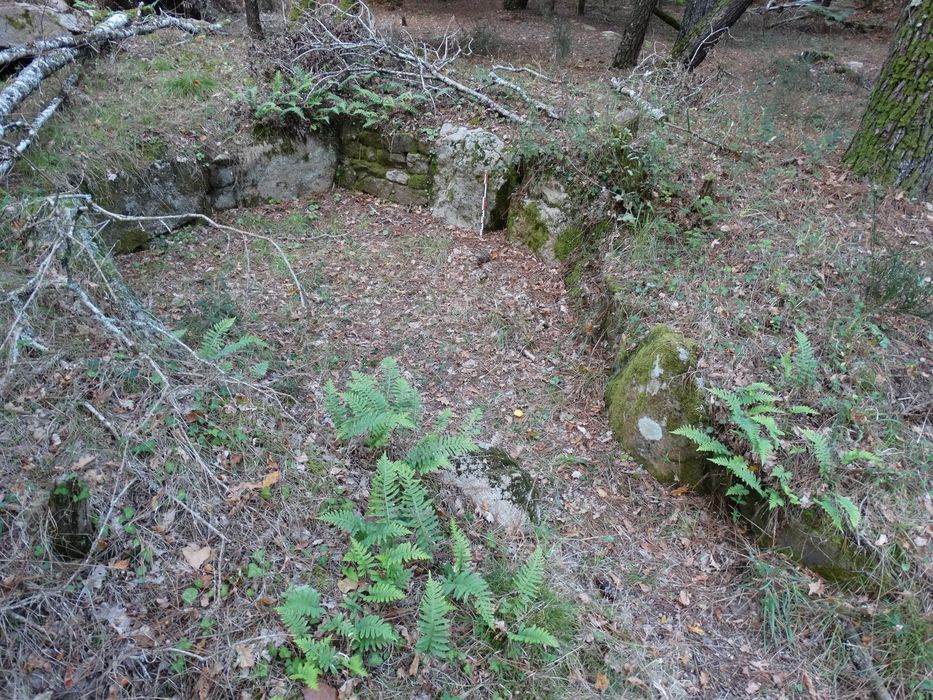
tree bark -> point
(693, 13)
(894, 142)
(515, 4)
(253, 22)
(668, 19)
(581, 7)
(696, 43)
(633, 34)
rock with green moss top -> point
(21, 23)
(497, 485)
(811, 539)
(472, 167)
(655, 392)
(165, 188)
(538, 220)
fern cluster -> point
(393, 544)
(759, 466)
(801, 367)
(216, 348)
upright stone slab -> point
(654, 393)
(282, 168)
(471, 163)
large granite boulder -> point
(282, 168)
(654, 393)
(472, 163)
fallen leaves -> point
(196, 556)
(601, 685)
(322, 692)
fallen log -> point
(55, 54)
(29, 79)
(100, 35)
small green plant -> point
(801, 366)
(392, 549)
(898, 282)
(190, 85)
(215, 348)
(299, 101)
(760, 451)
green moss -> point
(24, 21)
(367, 166)
(653, 394)
(525, 224)
(419, 182)
(567, 242)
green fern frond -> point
(821, 450)
(804, 410)
(382, 532)
(850, 509)
(345, 520)
(418, 509)
(334, 405)
(354, 665)
(859, 456)
(740, 469)
(361, 557)
(383, 592)
(805, 362)
(534, 635)
(260, 369)
(372, 632)
(434, 452)
(703, 441)
(433, 625)
(244, 342)
(300, 610)
(770, 424)
(831, 510)
(212, 342)
(385, 491)
(304, 671)
(320, 652)
(460, 547)
(528, 582)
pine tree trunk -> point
(693, 13)
(253, 22)
(633, 34)
(515, 4)
(696, 43)
(894, 142)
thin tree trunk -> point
(515, 4)
(696, 43)
(253, 22)
(668, 19)
(581, 7)
(894, 142)
(693, 13)
(633, 34)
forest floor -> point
(657, 593)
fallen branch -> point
(668, 19)
(661, 117)
(861, 659)
(13, 152)
(29, 79)
(102, 35)
(537, 104)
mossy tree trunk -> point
(633, 34)
(693, 13)
(253, 22)
(515, 4)
(894, 142)
(693, 47)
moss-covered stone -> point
(810, 538)
(418, 181)
(567, 242)
(526, 225)
(654, 393)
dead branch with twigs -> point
(340, 46)
(53, 55)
